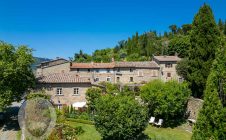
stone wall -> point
(61, 68)
(193, 107)
(67, 97)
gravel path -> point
(10, 128)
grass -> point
(18, 135)
(90, 131)
(167, 133)
(153, 132)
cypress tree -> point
(225, 27)
(211, 123)
(204, 41)
(221, 25)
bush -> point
(66, 132)
(80, 121)
(120, 117)
(39, 94)
(166, 100)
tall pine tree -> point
(225, 27)
(204, 40)
(211, 123)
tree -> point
(173, 29)
(221, 25)
(92, 94)
(211, 121)
(204, 40)
(166, 100)
(82, 57)
(225, 27)
(120, 117)
(179, 45)
(186, 28)
(15, 72)
(182, 68)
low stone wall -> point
(193, 107)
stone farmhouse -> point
(67, 82)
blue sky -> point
(59, 28)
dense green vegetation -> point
(211, 122)
(140, 47)
(15, 72)
(204, 40)
(120, 117)
(166, 100)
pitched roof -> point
(92, 65)
(167, 58)
(63, 78)
(143, 64)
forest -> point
(141, 47)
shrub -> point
(80, 121)
(66, 132)
(166, 100)
(120, 117)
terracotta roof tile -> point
(92, 65)
(143, 64)
(63, 78)
(167, 58)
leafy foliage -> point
(204, 41)
(92, 94)
(15, 72)
(120, 117)
(39, 94)
(66, 132)
(166, 100)
(211, 121)
(180, 45)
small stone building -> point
(64, 88)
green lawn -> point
(90, 131)
(167, 133)
(152, 132)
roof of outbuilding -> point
(63, 78)
(92, 65)
(167, 58)
(143, 64)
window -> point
(96, 79)
(76, 91)
(109, 79)
(168, 65)
(168, 74)
(131, 79)
(140, 73)
(59, 91)
(108, 70)
(131, 70)
(97, 70)
(118, 70)
(59, 106)
(118, 79)
(88, 70)
(78, 70)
